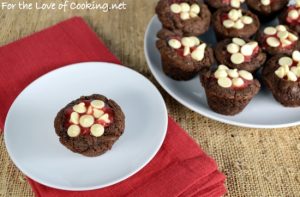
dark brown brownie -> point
(278, 40)
(178, 65)
(85, 142)
(229, 98)
(216, 4)
(266, 9)
(196, 23)
(226, 49)
(291, 17)
(229, 22)
(284, 86)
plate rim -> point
(159, 145)
(199, 111)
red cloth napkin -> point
(180, 168)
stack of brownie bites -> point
(243, 50)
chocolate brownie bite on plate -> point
(230, 22)
(291, 17)
(90, 125)
(192, 17)
(228, 91)
(278, 40)
(183, 57)
(266, 10)
(243, 54)
(216, 4)
(281, 75)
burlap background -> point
(257, 162)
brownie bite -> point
(243, 54)
(281, 75)
(90, 125)
(228, 91)
(216, 4)
(230, 22)
(183, 57)
(291, 17)
(266, 9)
(192, 17)
(278, 40)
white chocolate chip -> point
(237, 82)
(265, 2)
(233, 14)
(174, 43)
(253, 44)
(105, 118)
(195, 40)
(97, 104)
(185, 7)
(195, 8)
(233, 73)
(237, 58)
(297, 3)
(235, 3)
(73, 131)
(273, 42)
(280, 72)
(285, 42)
(291, 76)
(187, 42)
(270, 31)
(296, 56)
(175, 8)
(283, 34)
(74, 118)
(198, 54)
(240, 13)
(97, 130)
(293, 14)
(201, 47)
(80, 108)
(186, 51)
(292, 37)
(233, 48)
(285, 61)
(220, 73)
(286, 69)
(247, 50)
(281, 28)
(228, 23)
(238, 41)
(98, 113)
(222, 67)
(86, 121)
(296, 70)
(184, 15)
(238, 24)
(193, 15)
(246, 75)
(225, 82)
(247, 20)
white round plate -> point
(262, 112)
(34, 146)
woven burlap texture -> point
(257, 162)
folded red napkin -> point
(180, 168)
